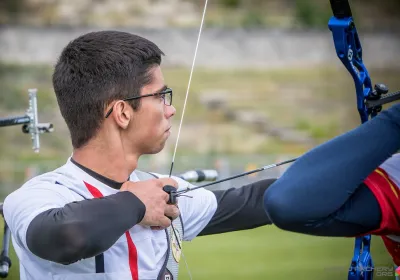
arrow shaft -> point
(237, 176)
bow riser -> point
(349, 50)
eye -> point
(157, 96)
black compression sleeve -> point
(239, 209)
(83, 229)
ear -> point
(122, 114)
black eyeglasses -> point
(165, 94)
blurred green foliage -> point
(310, 14)
(221, 13)
(230, 3)
(299, 13)
(10, 10)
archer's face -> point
(152, 122)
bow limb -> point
(349, 50)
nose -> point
(169, 111)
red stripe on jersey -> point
(132, 257)
(132, 252)
(93, 190)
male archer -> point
(346, 187)
(98, 216)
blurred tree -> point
(10, 10)
(230, 3)
(253, 19)
(369, 14)
(310, 13)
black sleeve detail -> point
(239, 209)
(83, 229)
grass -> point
(270, 253)
(267, 253)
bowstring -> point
(181, 121)
(188, 87)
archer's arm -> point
(44, 221)
(211, 212)
(239, 209)
(325, 186)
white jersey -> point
(141, 248)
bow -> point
(369, 104)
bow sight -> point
(30, 125)
(30, 121)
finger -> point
(164, 222)
(169, 181)
(165, 197)
(156, 228)
(125, 186)
(158, 183)
(172, 211)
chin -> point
(156, 150)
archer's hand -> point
(150, 192)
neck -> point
(107, 158)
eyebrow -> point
(161, 89)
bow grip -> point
(341, 8)
(171, 191)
